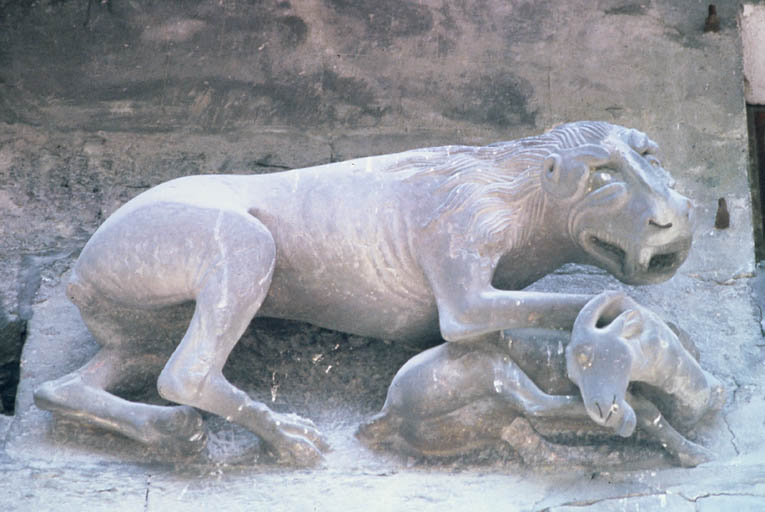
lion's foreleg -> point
(469, 305)
(496, 310)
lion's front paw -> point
(296, 451)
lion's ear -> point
(551, 171)
(563, 173)
(560, 179)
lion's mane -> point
(497, 184)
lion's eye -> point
(601, 177)
(651, 158)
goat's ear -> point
(627, 325)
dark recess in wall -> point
(12, 335)
(756, 123)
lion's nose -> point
(680, 213)
(687, 213)
(659, 225)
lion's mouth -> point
(660, 263)
(611, 252)
(656, 261)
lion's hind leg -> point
(236, 281)
(82, 395)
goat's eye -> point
(584, 357)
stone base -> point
(54, 464)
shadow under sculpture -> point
(454, 398)
(428, 244)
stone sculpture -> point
(423, 244)
(454, 398)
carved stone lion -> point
(421, 244)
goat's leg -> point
(513, 386)
(651, 421)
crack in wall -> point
(659, 495)
(720, 494)
(589, 503)
(332, 152)
(759, 319)
(563, 491)
(265, 164)
(724, 415)
(146, 496)
(732, 434)
(698, 276)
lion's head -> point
(618, 203)
(625, 214)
